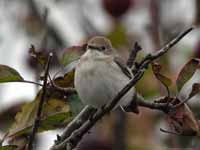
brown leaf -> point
(157, 72)
(186, 72)
(182, 118)
(189, 119)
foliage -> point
(8, 74)
(60, 108)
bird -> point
(100, 75)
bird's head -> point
(100, 44)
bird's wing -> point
(123, 67)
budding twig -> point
(41, 102)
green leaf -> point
(163, 79)
(66, 81)
(186, 73)
(8, 74)
(8, 147)
(71, 54)
(55, 112)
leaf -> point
(186, 73)
(71, 54)
(8, 147)
(189, 119)
(66, 81)
(6, 116)
(8, 74)
(195, 90)
(55, 112)
(163, 79)
(182, 118)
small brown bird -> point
(99, 74)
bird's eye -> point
(103, 48)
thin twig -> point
(42, 99)
(133, 55)
(165, 107)
(170, 44)
(182, 102)
(163, 50)
(76, 136)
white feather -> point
(98, 79)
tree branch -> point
(133, 55)
(76, 136)
(165, 107)
(42, 99)
(165, 49)
(77, 122)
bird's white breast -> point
(98, 80)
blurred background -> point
(55, 25)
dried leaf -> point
(186, 73)
(182, 119)
(195, 90)
(8, 74)
(189, 119)
(157, 72)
